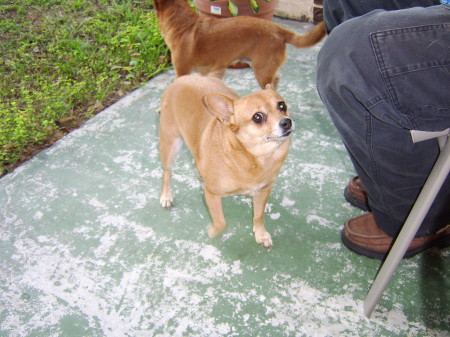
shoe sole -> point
(440, 242)
(355, 201)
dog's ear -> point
(269, 87)
(220, 106)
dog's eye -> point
(259, 118)
(282, 106)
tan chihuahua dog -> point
(239, 144)
(209, 45)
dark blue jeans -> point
(381, 75)
(337, 11)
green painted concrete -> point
(86, 249)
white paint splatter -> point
(286, 202)
(275, 216)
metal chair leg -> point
(423, 203)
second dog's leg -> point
(218, 224)
(181, 64)
(266, 69)
(259, 204)
(264, 77)
(168, 152)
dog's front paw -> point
(263, 239)
(213, 231)
(166, 201)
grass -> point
(62, 61)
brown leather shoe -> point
(355, 193)
(363, 236)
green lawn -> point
(62, 61)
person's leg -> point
(381, 75)
(336, 12)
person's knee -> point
(342, 55)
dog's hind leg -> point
(169, 148)
(266, 69)
(265, 76)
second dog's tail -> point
(309, 39)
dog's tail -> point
(309, 39)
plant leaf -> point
(255, 6)
(233, 8)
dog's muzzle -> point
(286, 126)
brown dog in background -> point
(209, 45)
(239, 144)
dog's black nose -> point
(286, 124)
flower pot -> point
(226, 8)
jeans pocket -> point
(417, 81)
